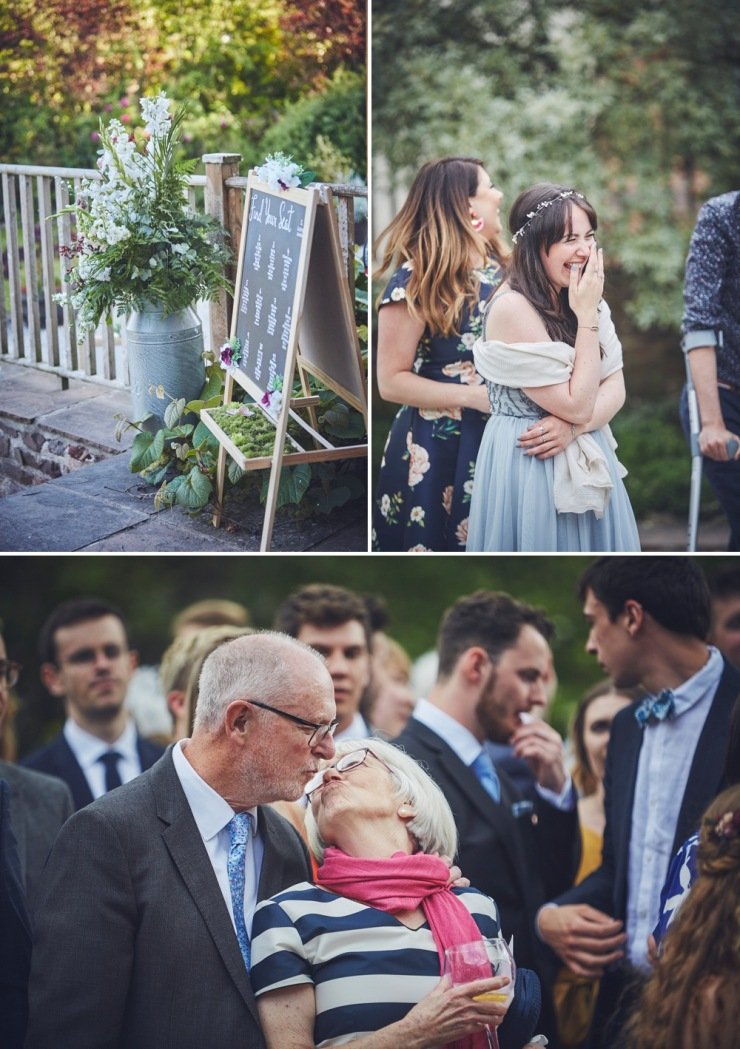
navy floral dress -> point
(426, 477)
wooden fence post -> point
(220, 204)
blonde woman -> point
(447, 247)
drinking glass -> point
(465, 961)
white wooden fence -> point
(38, 332)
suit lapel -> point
(707, 767)
(189, 856)
(70, 771)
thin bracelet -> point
(589, 327)
(573, 430)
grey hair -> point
(254, 666)
(433, 826)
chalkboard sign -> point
(272, 258)
(292, 307)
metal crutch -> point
(689, 344)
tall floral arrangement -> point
(137, 243)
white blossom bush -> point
(137, 243)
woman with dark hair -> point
(448, 253)
(547, 477)
(690, 1000)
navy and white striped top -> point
(367, 968)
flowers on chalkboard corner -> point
(280, 171)
(272, 398)
(137, 243)
(230, 353)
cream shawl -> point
(581, 474)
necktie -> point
(239, 828)
(486, 774)
(110, 760)
(656, 708)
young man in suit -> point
(336, 623)
(37, 805)
(648, 618)
(494, 660)
(146, 903)
(86, 662)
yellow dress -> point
(575, 996)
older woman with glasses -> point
(357, 958)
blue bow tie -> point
(656, 708)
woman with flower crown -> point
(691, 998)
(547, 477)
(446, 244)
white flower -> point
(468, 487)
(468, 339)
(156, 113)
(385, 505)
(397, 294)
(280, 171)
(417, 514)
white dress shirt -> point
(662, 774)
(212, 815)
(88, 750)
(358, 728)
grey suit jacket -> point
(134, 945)
(39, 805)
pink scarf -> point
(402, 883)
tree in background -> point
(238, 64)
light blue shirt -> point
(212, 815)
(88, 750)
(662, 774)
(467, 748)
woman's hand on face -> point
(450, 1012)
(586, 287)
(546, 437)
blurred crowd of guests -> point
(573, 839)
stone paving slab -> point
(48, 517)
(26, 394)
(92, 420)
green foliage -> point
(332, 121)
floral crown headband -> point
(727, 826)
(565, 195)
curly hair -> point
(433, 233)
(691, 998)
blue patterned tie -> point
(656, 708)
(486, 774)
(239, 828)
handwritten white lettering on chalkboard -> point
(257, 308)
(270, 219)
(285, 330)
(286, 216)
(244, 300)
(257, 253)
(299, 232)
(256, 208)
(287, 263)
(271, 371)
(245, 347)
(258, 366)
(272, 318)
(271, 262)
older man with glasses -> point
(143, 932)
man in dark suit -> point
(648, 619)
(15, 936)
(494, 659)
(38, 805)
(87, 663)
(146, 903)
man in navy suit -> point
(648, 619)
(86, 662)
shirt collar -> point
(210, 811)
(88, 749)
(455, 735)
(707, 678)
(357, 729)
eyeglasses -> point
(320, 732)
(9, 672)
(346, 763)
